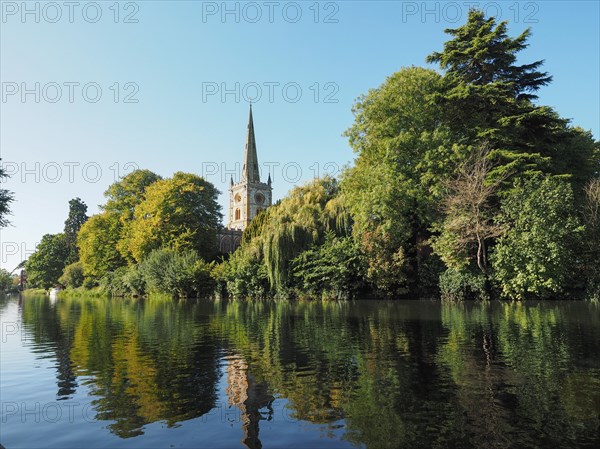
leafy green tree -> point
(404, 152)
(245, 276)
(536, 256)
(300, 220)
(284, 231)
(334, 269)
(72, 276)
(6, 197)
(6, 280)
(262, 265)
(47, 263)
(124, 195)
(179, 212)
(122, 198)
(97, 240)
(134, 281)
(77, 217)
(485, 88)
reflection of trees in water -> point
(148, 360)
(43, 324)
(509, 363)
(399, 375)
(422, 375)
(5, 300)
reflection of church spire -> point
(249, 397)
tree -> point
(6, 197)
(6, 280)
(469, 213)
(334, 269)
(102, 240)
(591, 240)
(47, 263)
(481, 53)
(77, 217)
(489, 98)
(72, 276)
(536, 256)
(403, 154)
(181, 213)
(123, 196)
(98, 241)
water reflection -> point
(375, 374)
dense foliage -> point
(536, 256)
(181, 212)
(166, 271)
(6, 197)
(98, 242)
(46, 265)
(267, 263)
(6, 280)
(75, 220)
(72, 276)
(462, 186)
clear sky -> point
(164, 85)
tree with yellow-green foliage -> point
(180, 213)
(100, 239)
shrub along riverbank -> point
(463, 187)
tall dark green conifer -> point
(481, 53)
(77, 217)
(490, 99)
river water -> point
(162, 373)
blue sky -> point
(190, 67)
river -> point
(154, 373)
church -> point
(247, 197)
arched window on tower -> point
(237, 214)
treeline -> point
(8, 282)
(153, 235)
(462, 187)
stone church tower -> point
(249, 196)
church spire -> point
(250, 169)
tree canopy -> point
(75, 220)
(179, 212)
(6, 197)
(47, 263)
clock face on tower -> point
(259, 198)
(238, 198)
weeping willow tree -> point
(278, 235)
